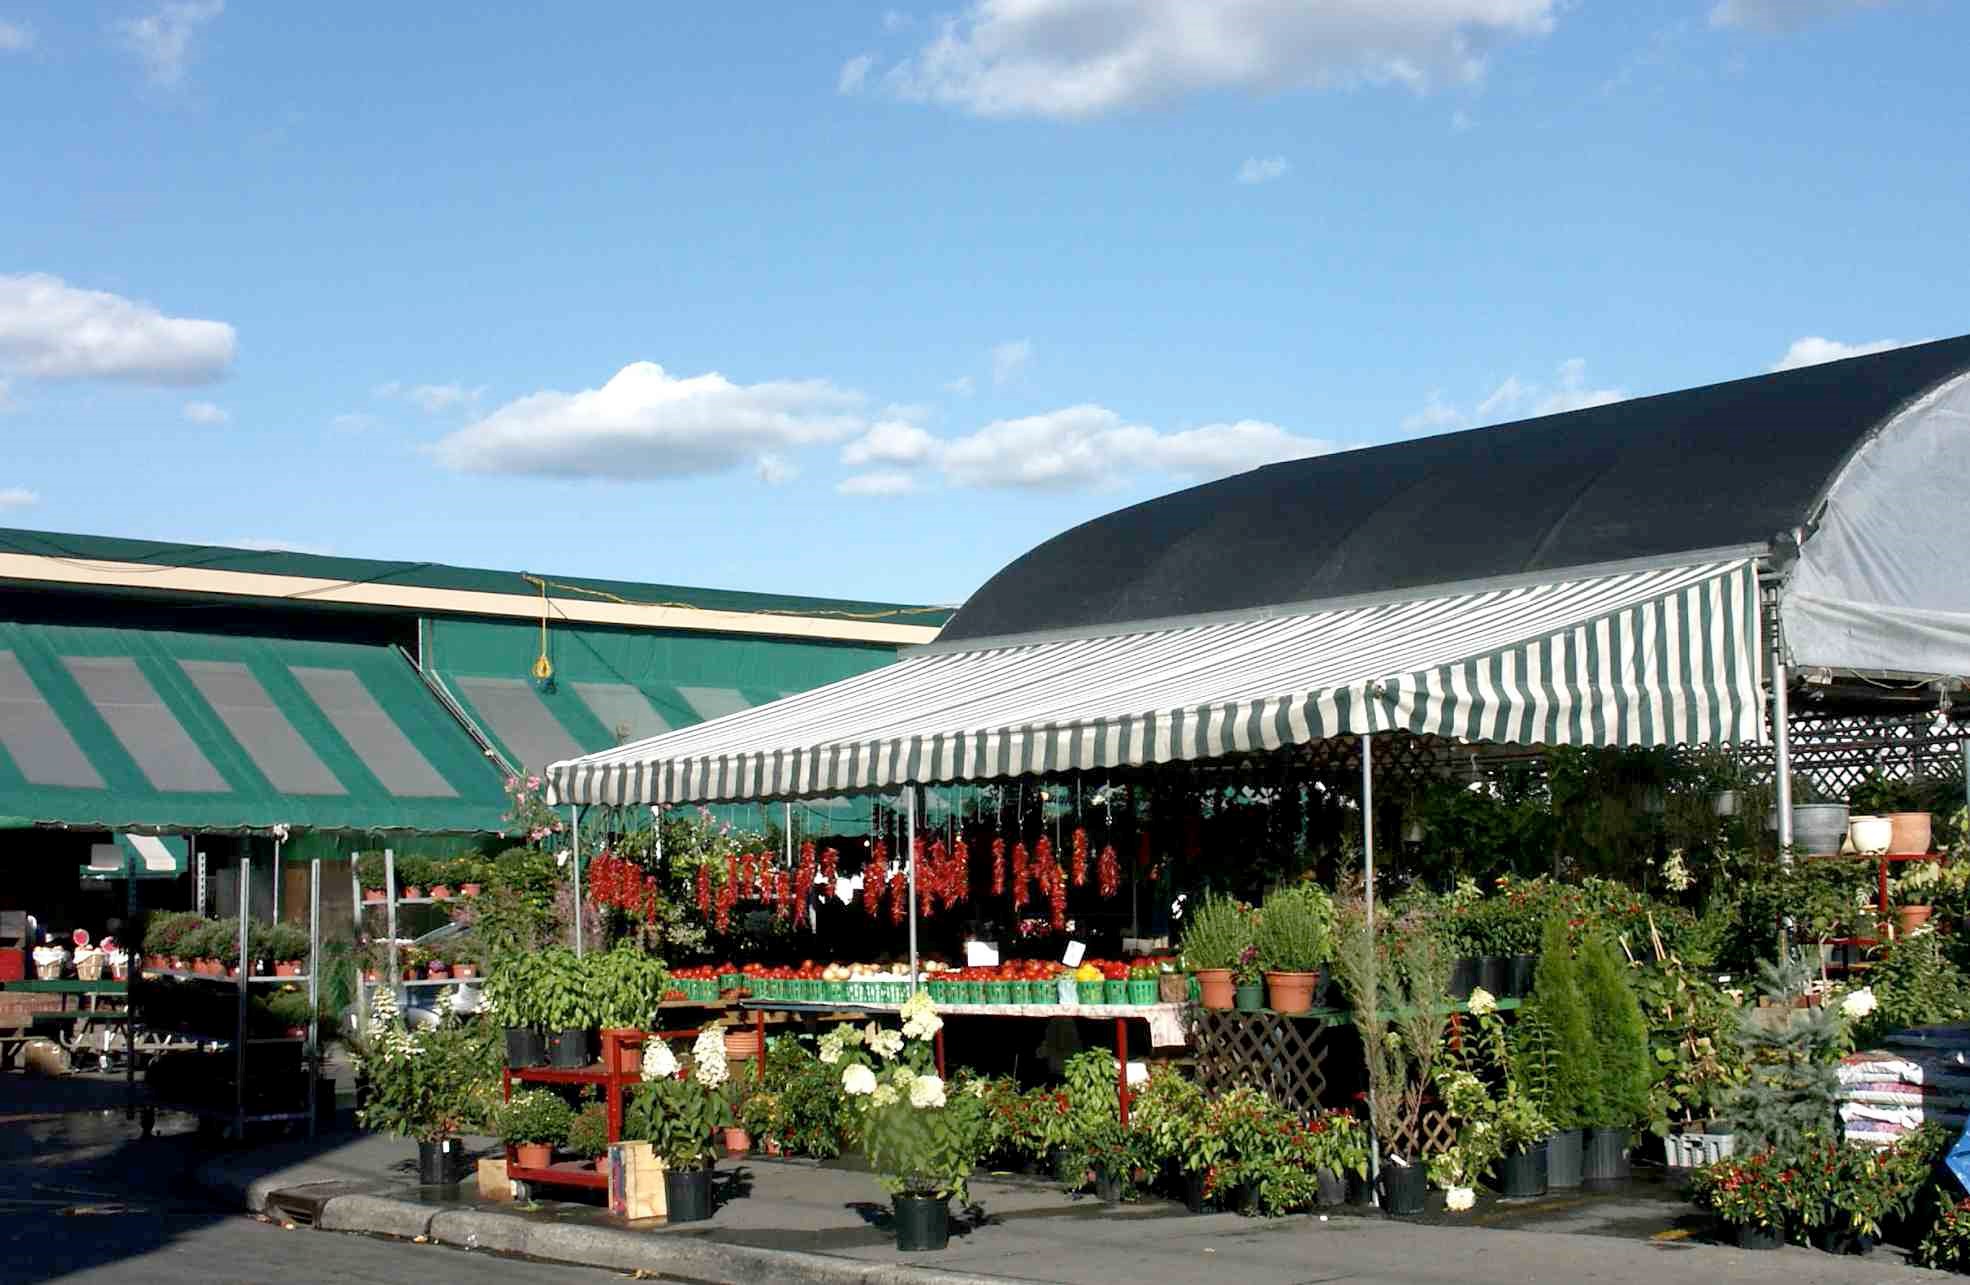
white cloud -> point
(15, 37)
(206, 413)
(854, 74)
(1516, 398)
(275, 546)
(1092, 446)
(53, 330)
(434, 398)
(19, 497)
(7, 402)
(1080, 58)
(1009, 358)
(889, 441)
(352, 421)
(775, 469)
(646, 422)
(1263, 169)
(1812, 350)
(1781, 15)
(962, 386)
(162, 40)
(883, 483)
(897, 20)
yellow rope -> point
(544, 585)
(543, 667)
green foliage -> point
(588, 1132)
(1396, 991)
(809, 1093)
(1534, 1064)
(1621, 1034)
(561, 993)
(1947, 1244)
(1790, 1096)
(535, 1115)
(427, 1084)
(1295, 931)
(1915, 983)
(1576, 1094)
(278, 942)
(677, 1116)
(925, 1151)
(1505, 826)
(165, 933)
(1694, 1058)
(1216, 931)
(1172, 1111)
(1114, 1150)
(625, 986)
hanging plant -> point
(1080, 857)
(961, 872)
(875, 879)
(998, 867)
(1108, 872)
(784, 892)
(746, 875)
(830, 859)
(1020, 875)
(704, 888)
(899, 898)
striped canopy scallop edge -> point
(1668, 656)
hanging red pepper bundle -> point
(763, 873)
(704, 887)
(745, 876)
(961, 872)
(785, 893)
(1080, 857)
(1043, 859)
(998, 867)
(728, 895)
(940, 875)
(1108, 872)
(1053, 884)
(803, 880)
(899, 898)
(1020, 875)
(875, 878)
(829, 860)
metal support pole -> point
(1368, 824)
(1782, 751)
(393, 977)
(198, 878)
(910, 803)
(245, 970)
(313, 1047)
(574, 857)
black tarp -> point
(1721, 466)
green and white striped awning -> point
(1663, 656)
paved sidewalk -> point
(798, 1220)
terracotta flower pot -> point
(440, 892)
(1910, 918)
(1215, 983)
(1911, 831)
(737, 1142)
(469, 889)
(533, 1155)
(372, 896)
(1290, 992)
(412, 892)
(464, 971)
(741, 1043)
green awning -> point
(127, 729)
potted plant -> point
(1499, 1119)
(512, 994)
(1570, 1053)
(1394, 991)
(1748, 1196)
(1248, 981)
(1694, 1061)
(413, 875)
(1295, 941)
(419, 1084)
(676, 1111)
(1337, 1144)
(1621, 1098)
(922, 1141)
(533, 1123)
(1172, 1112)
(1113, 1157)
(626, 985)
(1818, 826)
(1216, 932)
(1911, 893)
(566, 1006)
(761, 1117)
(588, 1134)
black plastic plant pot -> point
(441, 1164)
(524, 1048)
(1061, 1161)
(1463, 978)
(1839, 1240)
(1404, 1189)
(1361, 1192)
(1563, 1160)
(1331, 1186)
(1754, 1236)
(569, 1050)
(1604, 1156)
(1249, 999)
(687, 1195)
(1494, 974)
(1522, 1173)
(1519, 970)
(1107, 1187)
(922, 1223)
(1194, 1198)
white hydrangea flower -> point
(922, 1025)
(858, 1080)
(886, 1044)
(1483, 1002)
(926, 1091)
(831, 1047)
(1858, 1004)
(659, 1063)
(708, 1059)
(884, 1095)
(851, 1038)
(1458, 1199)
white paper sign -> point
(1075, 949)
(981, 954)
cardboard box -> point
(636, 1181)
(493, 1182)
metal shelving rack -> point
(238, 1117)
(393, 973)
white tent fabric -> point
(1657, 656)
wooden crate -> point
(636, 1181)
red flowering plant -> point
(1760, 1189)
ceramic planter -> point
(533, 1155)
(1604, 1156)
(441, 1164)
(440, 892)
(1563, 1160)
(737, 1141)
(1216, 985)
(1910, 831)
(687, 1193)
(1871, 836)
(1818, 828)
(1404, 1189)
(923, 1223)
(1291, 992)
(1250, 998)
(1522, 1173)
(1910, 918)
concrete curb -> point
(618, 1249)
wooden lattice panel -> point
(1283, 1057)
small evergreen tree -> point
(1575, 1093)
(1792, 1094)
(1620, 1034)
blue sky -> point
(866, 301)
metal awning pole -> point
(1782, 747)
(910, 845)
(574, 857)
(1368, 824)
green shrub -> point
(1215, 932)
(165, 933)
(588, 1132)
(1620, 1033)
(1915, 983)
(535, 1115)
(1576, 1098)
(1296, 930)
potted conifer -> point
(1620, 1034)
(1574, 1059)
